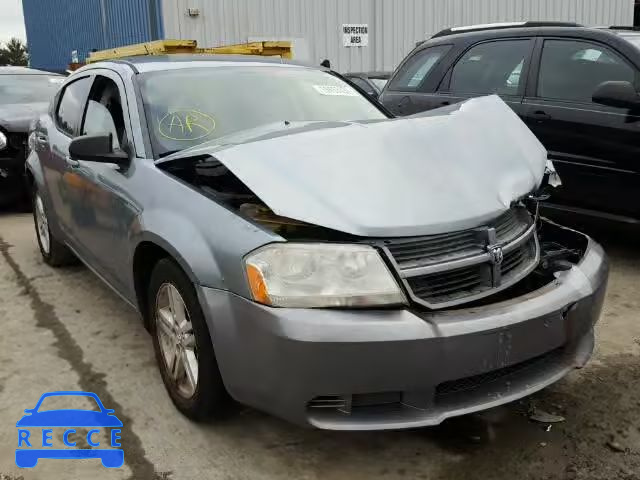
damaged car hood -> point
(17, 117)
(448, 169)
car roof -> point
(627, 33)
(502, 26)
(149, 63)
(24, 71)
(489, 33)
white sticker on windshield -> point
(336, 90)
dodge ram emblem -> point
(497, 256)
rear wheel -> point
(54, 253)
(183, 346)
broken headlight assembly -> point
(316, 275)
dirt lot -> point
(64, 330)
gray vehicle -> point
(291, 247)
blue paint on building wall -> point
(57, 27)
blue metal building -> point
(55, 28)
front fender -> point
(208, 241)
(185, 242)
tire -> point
(54, 253)
(209, 397)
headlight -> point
(307, 275)
(3, 141)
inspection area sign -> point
(355, 34)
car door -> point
(108, 212)
(595, 148)
(52, 137)
(497, 66)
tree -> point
(14, 53)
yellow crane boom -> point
(164, 47)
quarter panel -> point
(34, 167)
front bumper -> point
(402, 368)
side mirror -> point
(617, 94)
(96, 148)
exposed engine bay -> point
(559, 247)
(216, 181)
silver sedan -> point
(291, 247)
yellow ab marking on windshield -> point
(173, 123)
(192, 121)
(186, 125)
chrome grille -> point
(449, 269)
(511, 224)
(514, 260)
(438, 247)
(440, 287)
(416, 251)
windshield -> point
(28, 88)
(190, 106)
(633, 38)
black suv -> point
(575, 87)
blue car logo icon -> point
(34, 444)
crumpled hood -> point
(18, 117)
(444, 170)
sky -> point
(11, 21)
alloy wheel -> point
(42, 225)
(176, 339)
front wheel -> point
(182, 344)
(54, 253)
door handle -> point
(445, 103)
(541, 115)
(71, 162)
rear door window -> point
(417, 68)
(571, 70)
(491, 67)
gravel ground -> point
(63, 329)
